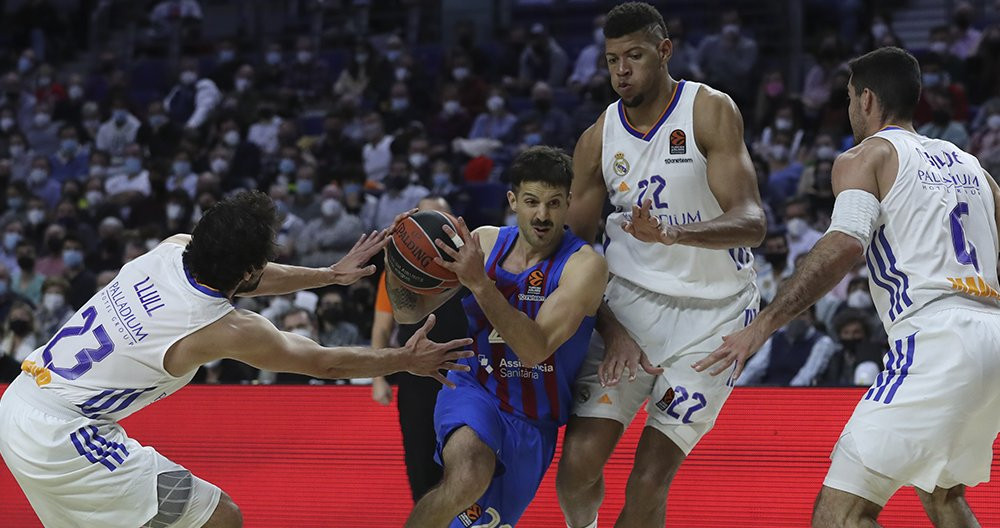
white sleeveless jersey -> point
(666, 166)
(106, 362)
(936, 235)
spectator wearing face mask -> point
(942, 124)
(68, 109)
(192, 99)
(131, 183)
(20, 156)
(376, 153)
(543, 59)
(496, 122)
(14, 97)
(401, 194)
(307, 78)
(334, 329)
(246, 161)
(355, 79)
(329, 237)
(798, 222)
(784, 171)
(452, 120)
(51, 263)
(472, 89)
(399, 110)
(553, 121)
(357, 202)
(855, 348)
(794, 356)
(334, 148)
(25, 280)
(299, 321)
(985, 143)
(774, 265)
(817, 86)
(40, 182)
(118, 132)
(82, 282)
(181, 176)
(71, 161)
(159, 134)
(53, 310)
(264, 132)
(42, 132)
(19, 337)
(36, 216)
(967, 37)
(8, 126)
(937, 88)
(728, 57)
(227, 61)
(858, 299)
(290, 226)
(591, 57)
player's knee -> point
(576, 470)
(467, 481)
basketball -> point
(411, 251)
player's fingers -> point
(455, 366)
(739, 369)
(636, 212)
(710, 359)
(632, 370)
(616, 374)
(647, 206)
(446, 248)
(444, 381)
(456, 343)
(648, 367)
(424, 330)
(450, 266)
(723, 365)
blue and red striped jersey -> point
(542, 392)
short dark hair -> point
(233, 237)
(544, 164)
(848, 316)
(893, 75)
(635, 16)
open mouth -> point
(541, 231)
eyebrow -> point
(630, 50)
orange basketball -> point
(411, 252)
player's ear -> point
(512, 200)
(666, 49)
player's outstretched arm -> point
(249, 337)
(854, 217)
(409, 307)
(533, 340)
(279, 279)
(587, 191)
(718, 129)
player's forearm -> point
(363, 362)
(521, 333)
(606, 323)
(743, 226)
(822, 269)
(279, 279)
(409, 307)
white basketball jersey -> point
(107, 360)
(936, 235)
(666, 166)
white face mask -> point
(993, 122)
(779, 152)
(219, 166)
(599, 36)
(783, 123)
(189, 77)
(53, 301)
(75, 91)
(174, 211)
(495, 103)
(6, 123)
(796, 227)
(460, 73)
(302, 332)
(826, 152)
(42, 119)
(35, 216)
(452, 107)
(940, 47)
(231, 138)
(860, 300)
(241, 84)
(37, 176)
(418, 160)
(879, 30)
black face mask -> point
(55, 245)
(333, 314)
(20, 327)
(776, 259)
(543, 105)
(941, 117)
(26, 263)
(361, 296)
(850, 345)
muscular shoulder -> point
(592, 139)
(871, 165)
(487, 237)
(715, 116)
(587, 262)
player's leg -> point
(416, 399)
(469, 465)
(226, 515)
(657, 459)
(840, 509)
(587, 445)
(947, 507)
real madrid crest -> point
(621, 164)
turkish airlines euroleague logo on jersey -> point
(678, 142)
(535, 281)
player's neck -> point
(644, 116)
(893, 124)
(524, 255)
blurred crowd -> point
(101, 160)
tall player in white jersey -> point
(924, 216)
(671, 158)
(141, 338)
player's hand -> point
(381, 391)
(399, 218)
(736, 348)
(428, 358)
(647, 227)
(467, 262)
(352, 267)
(622, 352)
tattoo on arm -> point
(402, 298)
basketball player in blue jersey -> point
(531, 313)
(143, 337)
(669, 154)
(923, 214)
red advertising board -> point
(331, 457)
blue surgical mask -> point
(15, 202)
(303, 187)
(182, 168)
(157, 120)
(226, 55)
(441, 179)
(532, 139)
(72, 257)
(119, 115)
(273, 57)
(351, 189)
(10, 240)
(286, 166)
(69, 146)
(133, 165)
(3, 287)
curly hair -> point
(635, 16)
(548, 165)
(234, 237)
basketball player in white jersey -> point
(924, 216)
(671, 151)
(141, 338)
